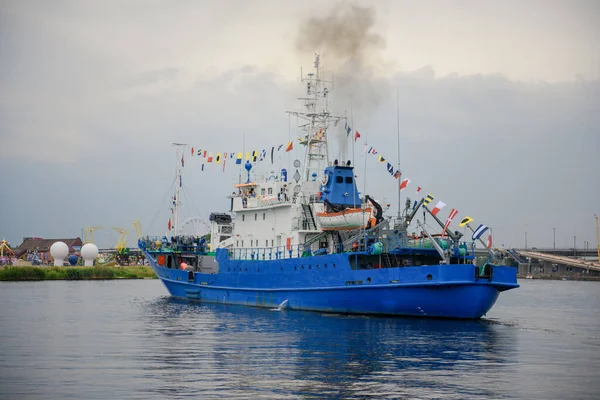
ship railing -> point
(240, 203)
(179, 243)
(267, 253)
(363, 241)
(269, 200)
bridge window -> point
(251, 242)
(348, 179)
(243, 217)
(255, 216)
(262, 192)
(242, 243)
(264, 216)
(270, 191)
(339, 179)
(267, 243)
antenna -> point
(177, 202)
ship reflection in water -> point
(213, 350)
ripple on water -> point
(126, 339)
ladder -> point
(308, 221)
(387, 261)
(347, 244)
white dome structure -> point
(89, 252)
(59, 251)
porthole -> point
(429, 277)
(368, 280)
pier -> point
(567, 262)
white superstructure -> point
(273, 209)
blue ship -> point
(314, 242)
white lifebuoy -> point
(325, 180)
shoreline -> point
(560, 278)
(46, 273)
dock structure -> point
(554, 262)
(573, 262)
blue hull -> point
(329, 284)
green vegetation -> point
(74, 273)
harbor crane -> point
(123, 251)
(137, 227)
(88, 233)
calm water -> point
(128, 340)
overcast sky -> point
(499, 106)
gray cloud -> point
(91, 104)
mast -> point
(597, 237)
(316, 119)
(178, 184)
(398, 137)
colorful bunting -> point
(356, 136)
(428, 199)
(438, 207)
(404, 184)
(465, 221)
(479, 231)
(262, 156)
(348, 129)
(451, 216)
(390, 168)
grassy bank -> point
(74, 273)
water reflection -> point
(251, 352)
